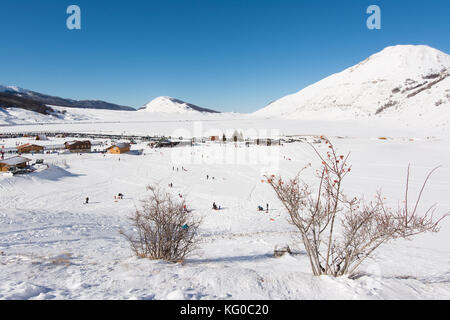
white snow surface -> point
(55, 247)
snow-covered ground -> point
(198, 124)
(55, 247)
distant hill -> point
(172, 105)
(57, 101)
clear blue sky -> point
(231, 55)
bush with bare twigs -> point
(338, 232)
(163, 229)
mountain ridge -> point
(63, 102)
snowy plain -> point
(55, 247)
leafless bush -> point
(163, 229)
(338, 232)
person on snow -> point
(260, 208)
(87, 200)
(214, 206)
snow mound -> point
(395, 80)
(172, 105)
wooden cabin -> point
(14, 163)
(30, 148)
(119, 148)
(78, 146)
(214, 138)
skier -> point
(207, 177)
(214, 206)
(267, 207)
(87, 200)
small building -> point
(78, 146)
(214, 138)
(14, 163)
(119, 148)
(30, 148)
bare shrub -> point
(163, 229)
(339, 232)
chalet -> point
(119, 148)
(14, 163)
(78, 146)
(214, 138)
(30, 148)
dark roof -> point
(70, 143)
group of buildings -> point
(85, 146)
(18, 163)
(74, 147)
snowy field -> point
(55, 247)
(331, 123)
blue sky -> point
(230, 55)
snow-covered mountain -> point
(404, 80)
(172, 105)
